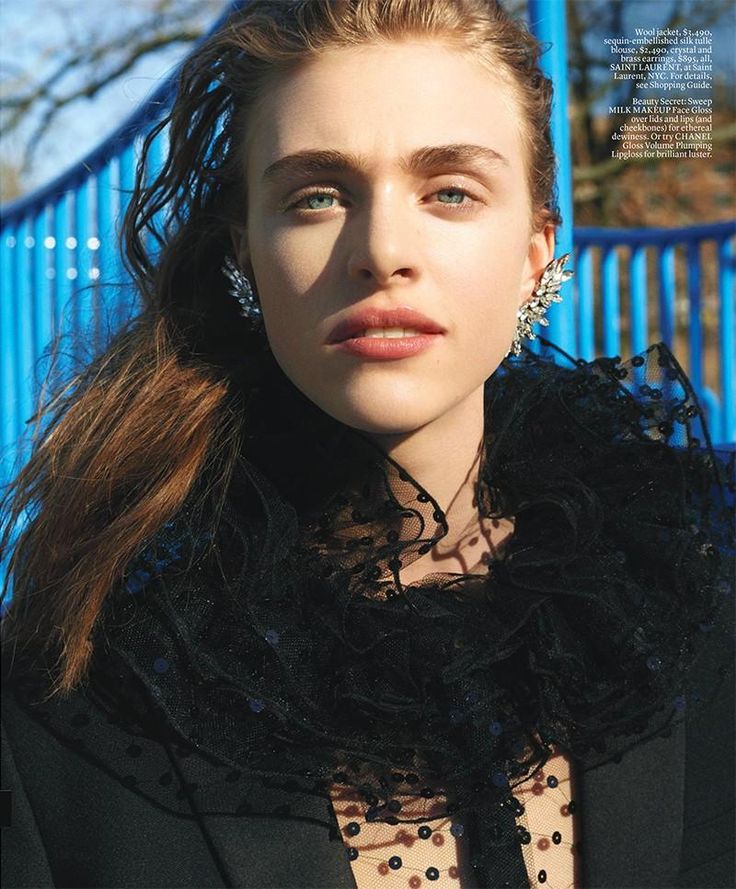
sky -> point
(29, 27)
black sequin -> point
(524, 836)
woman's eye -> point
(457, 192)
(315, 201)
(314, 198)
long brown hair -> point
(124, 443)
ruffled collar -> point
(591, 616)
(271, 646)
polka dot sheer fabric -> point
(401, 856)
(435, 728)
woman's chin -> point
(384, 419)
(395, 407)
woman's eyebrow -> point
(426, 159)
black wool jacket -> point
(661, 817)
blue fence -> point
(61, 274)
(637, 286)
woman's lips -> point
(372, 318)
(409, 332)
(387, 348)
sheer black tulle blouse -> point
(280, 649)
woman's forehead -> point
(381, 106)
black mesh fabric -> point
(282, 654)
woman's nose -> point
(384, 239)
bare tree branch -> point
(87, 90)
(88, 55)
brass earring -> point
(242, 289)
(545, 293)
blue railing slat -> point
(59, 229)
(585, 307)
(666, 292)
(695, 332)
(639, 322)
(155, 162)
(62, 284)
(23, 332)
(126, 180)
(610, 302)
(727, 325)
(71, 272)
(127, 161)
(106, 251)
(8, 432)
(712, 405)
(40, 288)
(84, 303)
(549, 25)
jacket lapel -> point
(630, 822)
(631, 817)
(277, 852)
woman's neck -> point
(444, 457)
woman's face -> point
(395, 224)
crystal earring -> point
(545, 293)
(242, 290)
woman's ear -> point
(541, 252)
(239, 239)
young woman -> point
(328, 581)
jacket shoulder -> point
(61, 796)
